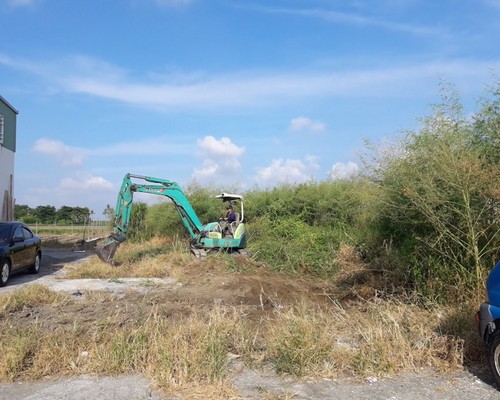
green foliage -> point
(163, 219)
(203, 200)
(22, 212)
(137, 224)
(344, 202)
(290, 245)
(49, 215)
(441, 200)
(486, 127)
(68, 215)
(46, 213)
(296, 229)
(300, 228)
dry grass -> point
(382, 337)
(32, 294)
(189, 355)
(157, 258)
(186, 356)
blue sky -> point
(227, 93)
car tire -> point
(4, 273)
(35, 268)
(494, 356)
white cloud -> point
(80, 189)
(211, 147)
(208, 169)
(85, 190)
(66, 155)
(287, 171)
(220, 159)
(359, 20)
(85, 75)
(84, 181)
(306, 124)
(312, 161)
(343, 170)
(22, 3)
(74, 156)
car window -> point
(4, 233)
(27, 233)
(18, 233)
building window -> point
(1, 129)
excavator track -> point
(200, 254)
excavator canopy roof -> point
(229, 197)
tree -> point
(45, 214)
(79, 214)
(23, 212)
(64, 214)
(68, 215)
(109, 212)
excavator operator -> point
(230, 215)
(226, 221)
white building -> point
(8, 117)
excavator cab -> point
(221, 235)
(236, 202)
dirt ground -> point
(202, 287)
(130, 300)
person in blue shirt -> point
(230, 215)
(226, 221)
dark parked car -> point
(20, 249)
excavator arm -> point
(157, 186)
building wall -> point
(7, 151)
(6, 184)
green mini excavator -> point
(217, 236)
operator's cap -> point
(229, 207)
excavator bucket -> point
(107, 251)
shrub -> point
(440, 198)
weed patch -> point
(29, 296)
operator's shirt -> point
(231, 217)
